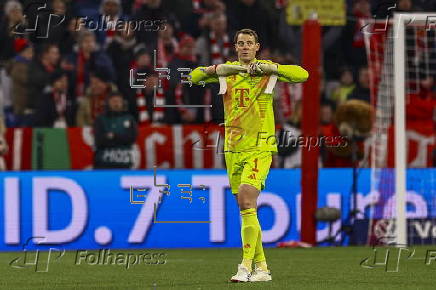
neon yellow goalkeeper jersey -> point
(248, 110)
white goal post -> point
(401, 20)
(401, 58)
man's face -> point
(188, 49)
(219, 24)
(59, 7)
(61, 83)
(98, 87)
(111, 8)
(167, 33)
(326, 115)
(88, 43)
(116, 103)
(53, 55)
(405, 5)
(15, 15)
(347, 78)
(28, 53)
(246, 47)
(364, 78)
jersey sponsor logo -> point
(242, 96)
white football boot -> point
(259, 275)
(243, 274)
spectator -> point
(10, 24)
(93, 103)
(142, 58)
(39, 74)
(18, 70)
(201, 13)
(182, 94)
(121, 51)
(70, 36)
(346, 86)
(210, 9)
(405, 6)
(289, 138)
(88, 58)
(289, 36)
(361, 91)
(167, 46)
(54, 109)
(142, 100)
(141, 64)
(115, 132)
(111, 12)
(326, 116)
(252, 14)
(215, 46)
(50, 23)
(352, 35)
(327, 129)
(154, 19)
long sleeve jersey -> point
(248, 110)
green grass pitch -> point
(314, 268)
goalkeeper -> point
(246, 86)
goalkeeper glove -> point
(254, 69)
(268, 68)
(259, 68)
(224, 70)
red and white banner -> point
(184, 146)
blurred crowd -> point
(62, 60)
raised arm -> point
(292, 73)
(285, 73)
(205, 74)
(211, 73)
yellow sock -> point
(247, 263)
(259, 256)
(249, 231)
(262, 265)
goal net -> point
(401, 205)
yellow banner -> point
(329, 13)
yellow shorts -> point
(248, 168)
